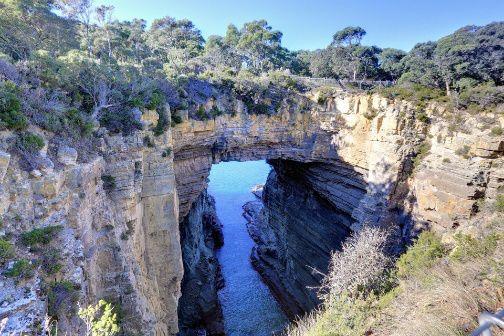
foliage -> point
(120, 121)
(497, 131)
(463, 151)
(499, 203)
(6, 250)
(162, 123)
(40, 236)
(167, 152)
(423, 151)
(422, 254)
(11, 116)
(51, 261)
(30, 142)
(109, 182)
(100, 319)
(467, 247)
(62, 297)
(22, 269)
(359, 267)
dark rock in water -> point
(200, 312)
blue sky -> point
(311, 24)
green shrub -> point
(75, 120)
(147, 141)
(6, 250)
(11, 116)
(30, 142)
(499, 203)
(446, 160)
(423, 151)
(468, 247)
(423, 117)
(496, 131)
(422, 254)
(215, 112)
(175, 119)
(21, 269)
(201, 113)
(109, 182)
(62, 297)
(42, 236)
(166, 152)
(162, 124)
(51, 261)
(100, 319)
(463, 151)
(156, 100)
(120, 122)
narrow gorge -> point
(150, 241)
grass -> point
(497, 131)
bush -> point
(100, 319)
(123, 121)
(421, 255)
(29, 142)
(166, 152)
(51, 261)
(499, 203)
(6, 250)
(201, 113)
(62, 297)
(175, 119)
(157, 100)
(21, 269)
(147, 141)
(109, 182)
(463, 151)
(423, 151)
(11, 116)
(75, 120)
(42, 236)
(468, 247)
(359, 267)
(496, 131)
(162, 124)
(423, 117)
(215, 112)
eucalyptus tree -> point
(390, 62)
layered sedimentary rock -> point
(201, 235)
(354, 155)
(120, 239)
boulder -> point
(67, 155)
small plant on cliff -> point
(464, 151)
(6, 250)
(22, 269)
(167, 152)
(62, 297)
(424, 253)
(30, 142)
(497, 131)
(11, 116)
(201, 113)
(499, 203)
(100, 319)
(51, 261)
(423, 151)
(109, 182)
(41, 236)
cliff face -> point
(201, 234)
(355, 159)
(344, 163)
(121, 244)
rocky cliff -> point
(201, 235)
(345, 161)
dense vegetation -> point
(66, 66)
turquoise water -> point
(249, 308)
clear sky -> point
(310, 24)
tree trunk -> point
(447, 85)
